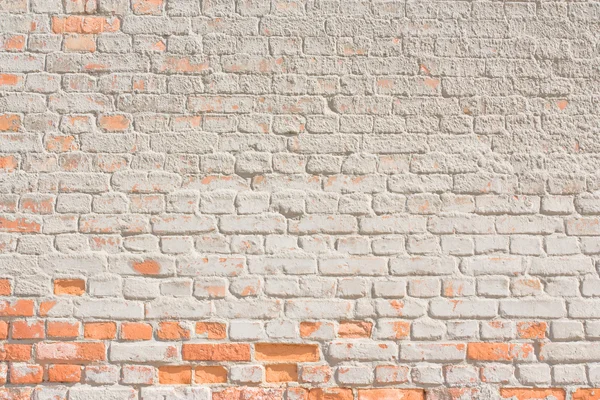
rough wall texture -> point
(323, 200)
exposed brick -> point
(64, 373)
(216, 352)
(178, 375)
(210, 374)
(17, 308)
(72, 287)
(135, 331)
(286, 352)
(99, 330)
(499, 351)
(23, 329)
(62, 329)
(281, 372)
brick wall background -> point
(299, 200)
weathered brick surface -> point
(299, 200)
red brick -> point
(27, 329)
(66, 373)
(26, 374)
(216, 352)
(175, 375)
(100, 330)
(286, 352)
(135, 331)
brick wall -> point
(299, 200)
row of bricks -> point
(287, 103)
(138, 80)
(285, 124)
(463, 185)
(167, 307)
(298, 11)
(245, 330)
(270, 223)
(139, 288)
(322, 330)
(214, 266)
(149, 60)
(297, 169)
(455, 9)
(324, 26)
(303, 247)
(294, 393)
(337, 351)
(224, 201)
(453, 375)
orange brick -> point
(216, 352)
(10, 122)
(286, 352)
(281, 373)
(62, 329)
(80, 24)
(499, 351)
(16, 308)
(210, 374)
(99, 330)
(27, 329)
(26, 374)
(8, 164)
(113, 123)
(532, 394)
(171, 330)
(153, 7)
(146, 267)
(9, 80)
(532, 330)
(136, 331)
(213, 330)
(5, 289)
(330, 394)
(80, 43)
(70, 352)
(586, 394)
(19, 225)
(3, 330)
(15, 352)
(178, 375)
(67, 373)
(355, 329)
(391, 394)
(72, 287)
